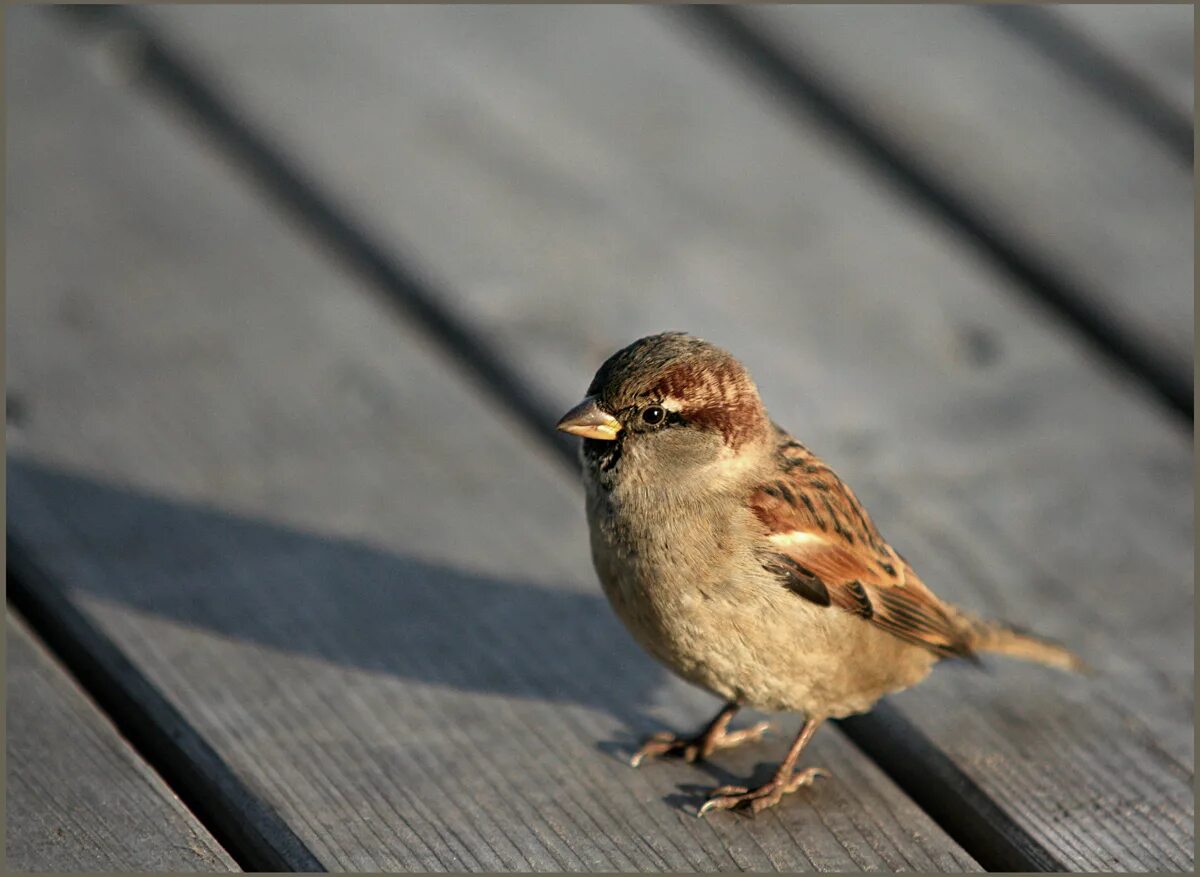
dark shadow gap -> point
(806, 92)
(1079, 56)
(950, 797)
(250, 831)
(162, 69)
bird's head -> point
(669, 406)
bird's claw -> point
(666, 743)
(691, 749)
(755, 801)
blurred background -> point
(296, 294)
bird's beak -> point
(587, 420)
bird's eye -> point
(654, 415)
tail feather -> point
(1003, 639)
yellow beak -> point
(587, 420)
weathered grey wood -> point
(1044, 157)
(1156, 40)
(582, 176)
(1112, 69)
(78, 797)
(343, 567)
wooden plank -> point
(1155, 40)
(1047, 160)
(343, 567)
(1107, 68)
(1023, 478)
(79, 798)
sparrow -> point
(743, 563)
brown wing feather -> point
(825, 547)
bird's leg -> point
(713, 737)
(786, 780)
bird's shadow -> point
(334, 599)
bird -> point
(738, 559)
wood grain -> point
(342, 565)
(78, 798)
(1022, 477)
(1043, 157)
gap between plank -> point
(950, 797)
(941, 788)
(1079, 56)
(250, 831)
(806, 91)
(161, 67)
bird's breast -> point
(673, 575)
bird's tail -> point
(1004, 639)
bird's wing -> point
(824, 547)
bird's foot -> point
(753, 801)
(696, 748)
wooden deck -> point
(298, 574)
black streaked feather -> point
(798, 579)
(862, 603)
